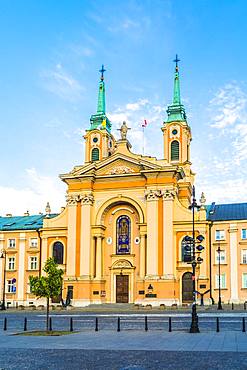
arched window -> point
(123, 235)
(57, 252)
(95, 154)
(175, 150)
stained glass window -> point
(123, 235)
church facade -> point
(121, 237)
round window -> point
(174, 132)
(95, 139)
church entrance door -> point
(122, 288)
(187, 287)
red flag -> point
(144, 124)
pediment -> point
(119, 167)
(116, 165)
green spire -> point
(176, 111)
(99, 120)
(101, 96)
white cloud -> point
(230, 104)
(137, 105)
(40, 190)
(221, 170)
(61, 83)
(134, 113)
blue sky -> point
(51, 52)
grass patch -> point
(53, 333)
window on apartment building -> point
(244, 280)
(219, 234)
(11, 263)
(244, 256)
(222, 281)
(244, 234)
(33, 242)
(33, 262)
(11, 286)
(11, 243)
(220, 256)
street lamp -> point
(193, 248)
(219, 301)
(3, 256)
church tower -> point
(176, 131)
(99, 142)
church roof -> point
(33, 222)
(227, 212)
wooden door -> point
(187, 287)
(122, 288)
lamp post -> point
(3, 256)
(191, 250)
(194, 317)
(219, 301)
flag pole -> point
(143, 138)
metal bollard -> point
(25, 324)
(232, 306)
(217, 325)
(170, 325)
(96, 324)
(243, 326)
(118, 324)
(146, 323)
(50, 324)
(71, 324)
(5, 324)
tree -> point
(49, 286)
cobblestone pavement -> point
(119, 360)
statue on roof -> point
(123, 130)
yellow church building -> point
(121, 236)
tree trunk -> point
(47, 314)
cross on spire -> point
(176, 60)
(102, 70)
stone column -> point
(72, 201)
(233, 264)
(98, 274)
(152, 233)
(142, 256)
(86, 234)
(21, 268)
(168, 246)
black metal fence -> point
(121, 323)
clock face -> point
(175, 131)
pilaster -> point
(168, 196)
(86, 234)
(21, 267)
(72, 201)
(99, 261)
(233, 263)
(152, 197)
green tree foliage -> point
(49, 286)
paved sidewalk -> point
(132, 340)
